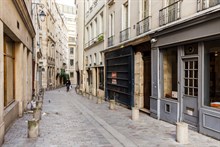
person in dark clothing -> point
(68, 84)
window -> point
(125, 16)
(111, 24)
(101, 78)
(71, 50)
(101, 23)
(71, 74)
(145, 12)
(212, 76)
(94, 58)
(170, 73)
(9, 88)
(71, 62)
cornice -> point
(22, 10)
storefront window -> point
(170, 73)
(9, 95)
(212, 74)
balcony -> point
(111, 41)
(124, 35)
(170, 13)
(143, 26)
(205, 4)
(95, 40)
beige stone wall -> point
(139, 80)
(2, 127)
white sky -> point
(66, 2)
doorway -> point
(147, 80)
(190, 92)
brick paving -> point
(71, 120)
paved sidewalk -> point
(71, 120)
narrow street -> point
(69, 119)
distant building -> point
(68, 14)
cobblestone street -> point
(69, 119)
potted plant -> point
(100, 38)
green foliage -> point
(101, 37)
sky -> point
(66, 2)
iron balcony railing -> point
(143, 26)
(97, 39)
(111, 41)
(204, 4)
(124, 34)
(170, 13)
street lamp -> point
(42, 16)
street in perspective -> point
(101, 73)
(69, 119)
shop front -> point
(120, 76)
(185, 75)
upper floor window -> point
(171, 12)
(145, 9)
(125, 16)
(71, 50)
(71, 62)
(204, 4)
(101, 23)
(111, 24)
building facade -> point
(68, 13)
(16, 35)
(54, 46)
(93, 47)
(80, 46)
(159, 56)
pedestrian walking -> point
(68, 84)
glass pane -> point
(186, 73)
(196, 65)
(195, 92)
(191, 64)
(191, 82)
(186, 82)
(191, 74)
(186, 65)
(196, 83)
(190, 91)
(186, 90)
(195, 73)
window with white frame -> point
(125, 16)
(111, 24)
(94, 58)
(95, 28)
(101, 23)
(145, 9)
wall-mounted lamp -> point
(42, 16)
(153, 40)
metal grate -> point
(143, 26)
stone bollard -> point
(33, 128)
(37, 114)
(84, 94)
(135, 113)
(99, 100)
(90, 96)
(182, 133)
(112, 104)
(39, 104)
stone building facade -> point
(159, 56)
(16, 35)
(69, 17)
(54, 42)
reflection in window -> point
(212, 76)
(170, 73)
